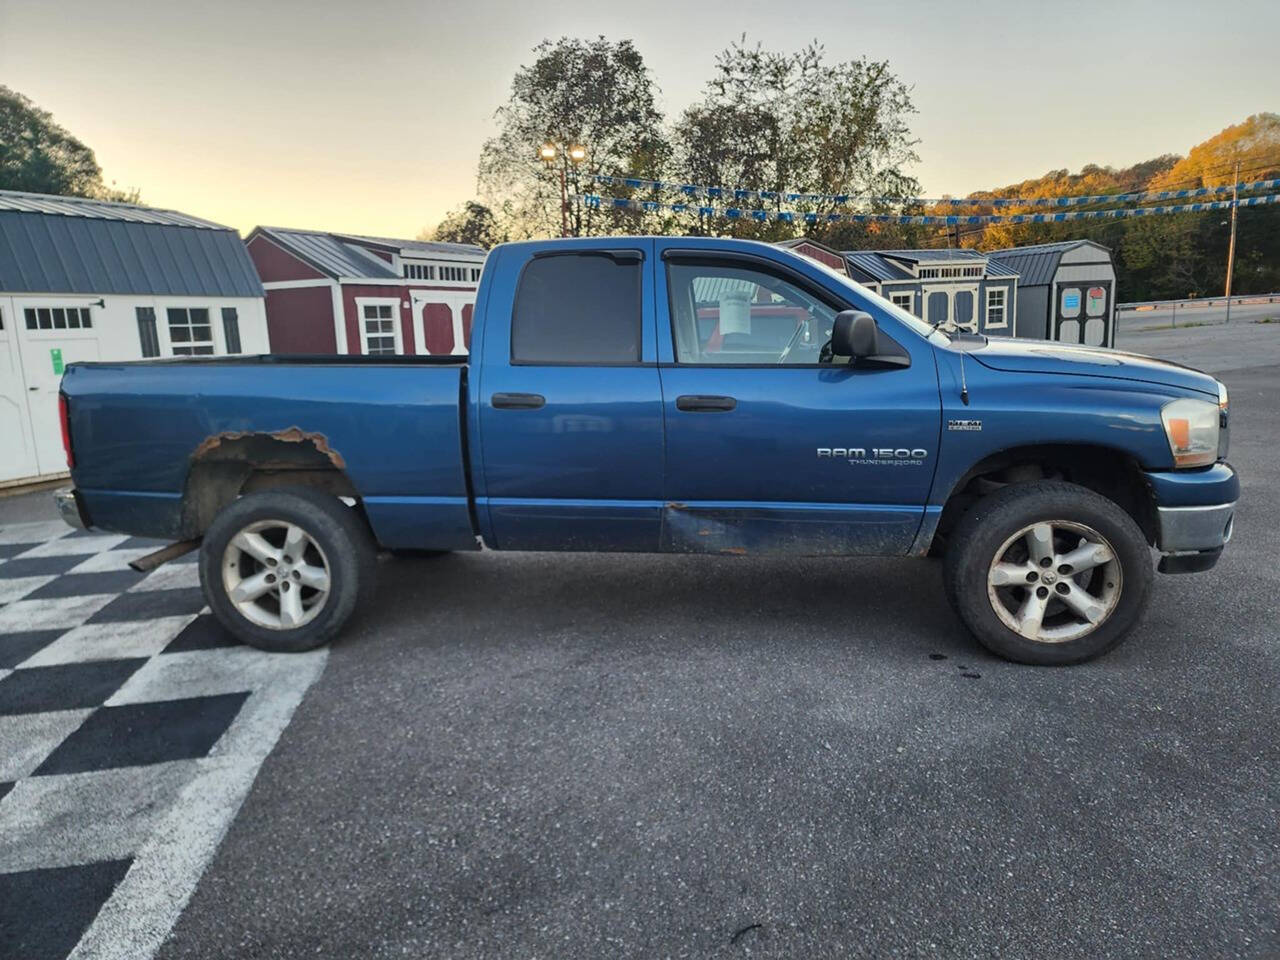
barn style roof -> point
(51, 244)
(881, 266)
(466, 251)
(329, 253)
(348, 255)
(1036, 264)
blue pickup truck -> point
(682, 395)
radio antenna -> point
(964, 387)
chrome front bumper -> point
(1195, 529)
(69, 506)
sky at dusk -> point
(368, 117)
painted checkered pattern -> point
(131, 728)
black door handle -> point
(517, 401)
(698, 403)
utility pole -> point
(1231, 246)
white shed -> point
(89, 280)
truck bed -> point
(149, 436)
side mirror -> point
(854, 334)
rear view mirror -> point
(854, 335)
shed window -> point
(190, 332)
(231, 329)
(378, 329)
(995, 307)
(57, 318)
(904, 300)
(148, 339)
(577, 308)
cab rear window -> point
(578, 309)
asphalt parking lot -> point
(592, 755)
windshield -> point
(861, 294)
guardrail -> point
(1201, 303)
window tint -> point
(577, 308)
(722, 313)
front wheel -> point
(284, 569)
(1048, 573)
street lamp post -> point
(548, 153)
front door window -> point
(728, 314)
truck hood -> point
(1039, 356)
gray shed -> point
(963, 286)
(1066, 291)
(87, 279)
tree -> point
(594, 93)
(473, 222)
(794, 122)
(38, 155)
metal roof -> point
(880, 266)
(875, 266)
(17, 200)
(433, 247)
(69, 245)
(330, 254)
(347, 254)
(943, 253)
(1036, 264)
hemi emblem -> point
(964, 424)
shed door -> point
(19, 458)
(937, 306)
(1082, 312)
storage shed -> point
(962, 286)
(352, 294)
(1066, 291)
(89, 280)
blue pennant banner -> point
(769, 196)
(596, 201)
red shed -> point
(345, 293)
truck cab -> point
(687, 395)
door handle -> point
(697, 403)
(517, 401)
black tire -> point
(335, 528)
(990, 522)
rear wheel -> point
(284, 569)
(1048, 573)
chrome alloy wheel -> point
(1054, 581)
(276, 575)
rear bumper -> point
(69, 506)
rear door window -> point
(578, 309)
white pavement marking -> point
(23, 615)
(171, 576)
(37, 532)
(110, 641)
(72, 819)
(177, 676)
(67, 546)
(136, 920)
(110, 560)
(26, 739)
(11, 588)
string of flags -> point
(595, 201)
(739, 195)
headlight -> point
(1222, 396)
(1192, 429)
